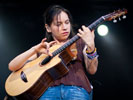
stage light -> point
(102, 30)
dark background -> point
(21, 27)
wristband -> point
(92, 55)
(91, 52)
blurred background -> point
(22, 26)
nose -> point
(64, 26)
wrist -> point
(92, 55)
(34, 50)
(90, 50)
(37, 48)
(90, 47)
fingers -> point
(79, 34)
(43, 44)
(52, 43)
(43, 40)
(85, 30)
(80, 31)
(87, 35)
(45, 50)
(47, 45)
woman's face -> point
(60, 27)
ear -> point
(47, 28)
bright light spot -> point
(102, 30)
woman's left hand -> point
(88, 37)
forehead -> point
(61, 17)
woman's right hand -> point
(43, 47)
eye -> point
(58, 24)
(67, 22)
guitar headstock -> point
(115, 14)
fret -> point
(96, 23)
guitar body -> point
(31, 81)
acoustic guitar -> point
(32, 80)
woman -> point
(75, 84)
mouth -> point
(65, 33)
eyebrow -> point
(60, 21)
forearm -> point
(19, 60)
(91, 64)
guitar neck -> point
(96, 23)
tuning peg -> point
(124, 16)
(115, 21)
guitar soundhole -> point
(23, 77)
